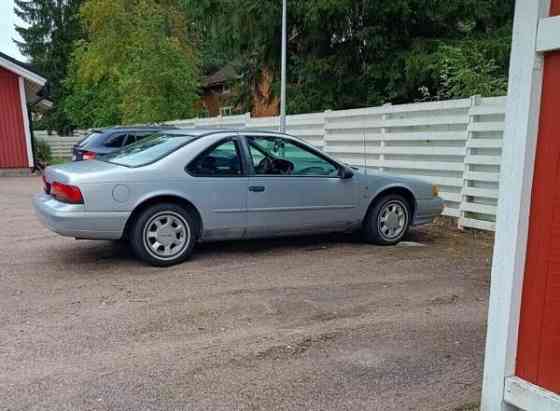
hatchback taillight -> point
(66, 193)
(89, 155)
(46, 185)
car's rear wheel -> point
(388, 220)
(163, 234)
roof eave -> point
(22, 71)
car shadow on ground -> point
(119, 252)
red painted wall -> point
(538, 357)
(13, 149)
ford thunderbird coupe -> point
(177, 187)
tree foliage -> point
(51, 28)
(347, 53)
(139, 61)
(136, 66)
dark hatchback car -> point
(108, 140)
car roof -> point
(197, 132)
(133, 128)
(202, 132)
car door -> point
(295, 189)
(219, 186)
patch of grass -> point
(55, 161)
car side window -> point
(115, 141)
(222, 160)
(140, 137)
(130, 139)
(279, 156)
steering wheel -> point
(281, 166)
(274, 166)
(265, 166)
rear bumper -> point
(74, 221)
(427, 210)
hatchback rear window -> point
(148, 150)
(92, 139)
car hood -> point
(80, 171)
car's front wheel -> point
(163, 234)
(387, 221)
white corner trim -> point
(23, 72)
(520, 137)
(529, 397)
(548, 37)
(25, 119)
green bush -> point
(42, 151)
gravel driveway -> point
(321, 323)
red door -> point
(13, 145)
(538, 357)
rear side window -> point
(220, 161)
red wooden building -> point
(20, 88)
(522, 363)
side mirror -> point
(345, 173)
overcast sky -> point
(7, 30)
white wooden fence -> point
(455, 144)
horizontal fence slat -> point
(478, 208)
(481, 192)
(425, 121)
(416, 165)
(478, 224)
(480, 176)
(483, 160)
(487, 126)
(487, 110)
(422, 136)
(485, 143)
(419, 151)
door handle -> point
(256, 189)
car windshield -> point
(148, 150)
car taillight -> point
(89, 155)
(66, 193)
(46, 185)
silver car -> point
(178, 187)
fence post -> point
(324, 142)
(247, 119)
(384, 131)
(475, 101)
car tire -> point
(163, 235)
(387, 221)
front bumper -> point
(427, 210)
(72, 220)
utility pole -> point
(284, 63)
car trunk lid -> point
(78, 172)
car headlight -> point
(435, 190)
